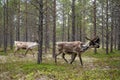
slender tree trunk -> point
(54, 29)
(83, 20)
(107, 32)
(11, 35)
(111, 44)
(40, 32)
(112, 27)
(11, 29)
(5, 26)
(81, 28)
(4, 29)
(63, 26)
(18, 26)
(94, 3)
(119, 28)
(102, 27)
(115, 35)
(77, 29)
(73, 20)
(119, 40)
(68, 28)
(26, 22)
(46, 28)
(83, 25)
(0, 37)
(119, 37)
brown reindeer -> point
(24, 45)
(76, 48)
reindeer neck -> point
(85, 47)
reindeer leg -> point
(56, 56)
(63, 56)
(73, 57)
(80, 59)
(32, 52)
(16, 49)
(26, 51)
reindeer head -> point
(95, 42)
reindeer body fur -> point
(68, 47)
(24, 45)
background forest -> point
(19, 20)
(49, 21)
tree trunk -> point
(0, 37)
(94, 3)
(26, 22)
(54, 29)
(11, 35)
(40, 31)
(73, 20)
(80, 28)
(112, 27)
(102, 27)
(77, 31)
(119, 28)
(46, 28)
(68, 31)
(115, 35)
(5, 13)
(119, 37)
(63, 26)
(107, 31)
(18, 25)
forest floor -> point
(96, 67)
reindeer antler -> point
(87, 38)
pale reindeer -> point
(76, 48)
(24, 45)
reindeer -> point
(24, 45)
(76, 48)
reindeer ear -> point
(87, 38)
(81, 43)
(36, 40)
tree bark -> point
(73, 20)
(94, 3)
(26, 22)
(63, 26)
(119, 28)
(107, 30)
(40, 31)
(5, 13)
(54, 29)
(68, 31)
(18, 24)
(46, 28)
(112, 27)
(102, 40)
